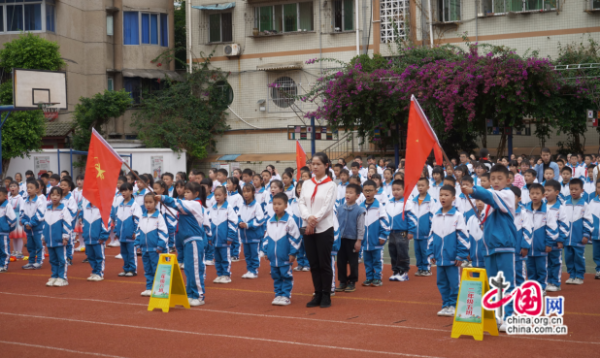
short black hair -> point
(357, 188)
(531, 171)
(438, 170)
(545, 150)
(55, 177)
(398, 182)
(553, 184)
(549, 169)
(576, 181)
(499, 168)
(355, 165)
(281, 196)
(45, 175)
(513, 163)
(56, 189)
(167, 174)
(515, 190)
(537, 186)
(369, 183)
(566, 169)
(122, 178)
(449, 188)
(338, 166)
(424, 179)
(358, 157)
(463, 169)
(220, 170)
(126, 186)
(29, 172)
(485, 175)
(467, 179)
(451, 179)
(375, 176)
(3, 190)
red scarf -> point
(487, 213)
(326, 180)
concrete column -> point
(118, 58)
(171, 14)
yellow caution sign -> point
(168, 289)
(471, 319)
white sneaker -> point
(61, 282)
(450, 311)
(298, 268)
(218, 279)
(97, 278)
(226, 279)
(503, 326)
(181, 266)
(252, 275)
(597, 277)
(552, 288)
(276, 301)
(443, 312)
(569, 281)
(147, 293)
(51, 281)
(402, 277)
(305, 269)
(115, 243)
(195, 302)
(3, 269)
(246, 274)
(578, 281)
(119, 257)
(284, 301)
(92, 277)
(209, 262)
(394, 277)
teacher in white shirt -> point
(316, 209)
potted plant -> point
(255, 31)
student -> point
(381, 196)
(53, 181)
(387, 182)
(17, 234)
(8, 222)
(485, 181)
(399, 230)
(341, 189)
(475, 230)
(460, 172)
(235, 200)
(499, 231)
(594, 210)
(57, 234)
(32, 215)
(224, 228)
(221, 178)
(589, 186)
(94, 235)
(355, 168)
(70, 203)
(335, 248)
(266, 178)
(251, 230)
(212, 176)
(422, 208)
(565, 190)
(351, 218)
(246, 177)
(259, 191)
(447, 246)
(276, 188)
(194, 227)
(127, 219)
(523, 242)
(170, 216)
(577, 170)
(178, 193)
(301, 259)
(288, 185)
(167, 178)
(519, 181)
(77, 229)
(377, 230)
(529, 177)
(462, 202)
(280, 247)
(209, 249)
(437, 182)
(579, 221)
(139, 195)
(558, 215)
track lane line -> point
(29, 345)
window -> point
(222, 94)
(285, 18)
(145, 28)
(111, 84)
(595, 4)
(221, 27)
(393, 15)
(27, 15)
(137, 86)
(343, 15)
(530, 5)
(284, 87)
(50, 9)
(494, 6)
(110, 26)
(449, 10)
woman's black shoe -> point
(316, 301)
(326, 300)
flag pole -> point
(151, 189)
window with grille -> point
(393, 14)
(493, 6)
(449, 10)
(221, 27)
(283, 89)
(285, 18)
(343, 15)
(27, 15)
(595, 4)
(530, 5)
(145, 28)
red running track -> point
(110, 319)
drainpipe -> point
(188, 15)
(119, 127)
(357, 33)
(430, 23)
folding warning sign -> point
(168, 289)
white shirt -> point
(322, 206)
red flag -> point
(300, 158)
(101, 175)
(420, 140)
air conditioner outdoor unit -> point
(231, 50)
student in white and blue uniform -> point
(57, 232)
(475, 230)
(421, 214)
(580, 222)
(194, 227)
(294, 209)
(337, 243)
(251, 224)
(400, 224)
(462, 202)
(127, 217)
(71, 204)
(235, 200)
(143, 186)
(288, 185)
(152, 237)
(8, 223)
(94, 236)
(32, 214)
(377, 229)
(523, 241)
(209, 250)
(224, 228)
(594, 210)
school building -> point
(267, 42)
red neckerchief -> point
(326, 180)
(487, 212)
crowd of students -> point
(503, 217)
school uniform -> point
(282, 240)
(235, 200)
(476, 247)
(462, 204)
(448, 241)
(335, 248)
(127, 218)
(377, 227)
(194, 227)
(171, 218)
(387, 189)
(363, 172)
(589, 188)
(8, 222)
(71, 205)
(544, 232)
(118, 199)
(32, 215)
(253, 216)
(171, 190)
(94, 231)
(559, 214)
(23, 188)
(209, 248)
(523, 242)
(565, 192)
(290, 192)
(152, 237)
(399, 229)
(382, 197)
(139, 198)
(580, 223)
(57, 227)
(301, 259)
(421, 215)
(16, 202)
(525, 199)
(594, 211)
(341, 194)
(579, 171)
(259, 196)
(434, 190)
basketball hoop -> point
(50, 112)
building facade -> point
(267, 43)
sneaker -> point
(394, 277)
(503, 326)
(360, 261)
(305, 269)
(51, 281)
(332, 293)
(61, 282)
(419, 273)
(376, 283)
(464, 264)
(246, 274)
(298, 268)
(552, 288)
(209, 262)
(19, 256)
(130, 274)
(146, 293)
(92, 277)
(235, 259)
(450, 311)
(119, 257)
(85, 261)
(28, 267)
(351, 287)
(252, 275)
(218, 279)
(341, 287)
(569, 281)
(115, 243)
(37, 266)
(122, 274)
(367, 283)
(443, 312)
(95, 278)
(195, 302)
(3, 269)
(69, 262)
(597, 277)
(276, 301)
(427, 273)
(578, 281)
(226, 279)
(402, 277)
(181, 266)
(284, 301)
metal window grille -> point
(343, 15)
(530, 5)
(595, 4)
(393, 15)
(280, 94)
(449, 10)
(221, 27)
(493, 6)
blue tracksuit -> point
(94, 231)
(253, 216)
(337, 243)
(377, 227)
(139, 198)
(499, 234)
(558, 213)
(32, 215)
(301, 258)
(448, 242)
(152, 236)
(71, 204)
(462, 204)
(523, 242)
(282, 240)
(421, 216)
(224, 228)
(476, 249)
(127, 217)
(171, 221)
(194, 227)
(235, 200)
(209, 250)
(58, 227)
(8, 222)
(580, 220)
(594, 210)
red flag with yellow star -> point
(101, 175)
(420, 141)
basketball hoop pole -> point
(3, 109)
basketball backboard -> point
(33, 87)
